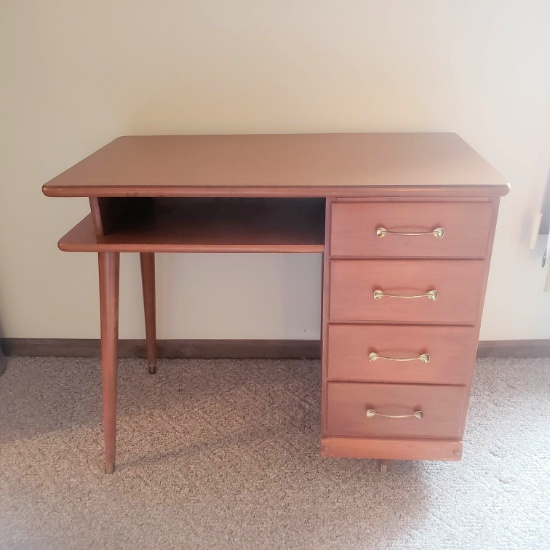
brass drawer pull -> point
(416, 414)
(432, 295)
(438, 233)
(425, 358)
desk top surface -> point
(277, 164)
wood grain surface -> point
(466, 229)
(459, 285)
(218, 165)
(393, 449)
(442, 407)
(452, 353)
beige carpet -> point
(225, 454)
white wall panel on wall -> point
(77, 74)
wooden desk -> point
(405, 223)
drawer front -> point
(466, 229)
(444, 355)
(458, 284)
(440, 407)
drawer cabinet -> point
(406, 282)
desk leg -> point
(148, 281)
(108, 298)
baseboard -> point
(514, 348)
(168, 349)
(231, 349)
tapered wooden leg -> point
(109, 263)
(149, 303)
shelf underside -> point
(208, 225)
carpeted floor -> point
(225, 455)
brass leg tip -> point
(110, 468)
(152, 369)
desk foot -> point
(149, 303)
(383, 465)
(110, 468)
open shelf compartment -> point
(173, 224)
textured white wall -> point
(75, 75)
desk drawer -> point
(466, 229)
(458, 284)
(439, 410)
(444, 355)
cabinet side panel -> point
(325, 315)
(487, 265)
(107, 212)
